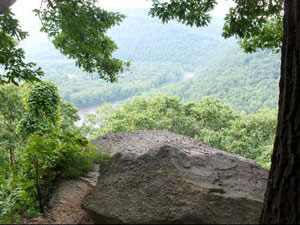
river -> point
(92, 109)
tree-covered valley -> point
(135, 70)
(161, 55)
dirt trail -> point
(66, 201)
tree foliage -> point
(70, 24)
(189, 12)
(39, 145)
(257, 24)
(29, 168)
(77, 28)
(75, 23)
(42, 102)
(246, 82)
(207, 120)
(10, 116)
(13, 67)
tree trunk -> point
(38, 187)
(11, 156)
(5, 4)
(282, 198)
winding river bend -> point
(92, 109)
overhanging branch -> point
(5, 4)
(51, 4)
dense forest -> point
(246, 82)
(207, 120)
(183, 79)
(40, 145)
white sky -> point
(27, 5)
(23, 10)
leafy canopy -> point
(189, 12)
(39, 144)
(42, 115)
(78, 29)
(12, 65)
(257, 24)
(207, 120)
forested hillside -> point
(142, 38)
(181, 79)
(246, 82)
(161, 55)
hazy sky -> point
(23, 10)
(27, 5)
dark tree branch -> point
(39, 15)
(5, 4)
(51, 4)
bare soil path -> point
(65, 205)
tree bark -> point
(282, 198)
(5, 4)
(38, 187)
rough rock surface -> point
(160, 177)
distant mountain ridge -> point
(161, 54)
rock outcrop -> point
(160, 177)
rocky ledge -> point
(160, 177)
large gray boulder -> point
(160, 177)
